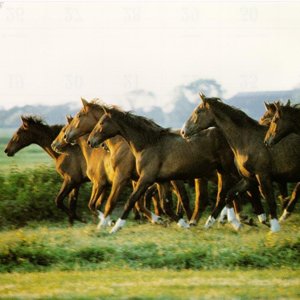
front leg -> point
(142, 185)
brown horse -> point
(255, 162)
(102, 173)
(70, 165)
(285, 121)
(288, 203)
(163, 155)
(123, 161)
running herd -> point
(115, 149)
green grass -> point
(145, 261)
(146, 246)
(125, 283)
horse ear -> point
(25, 122)
(69, 118)
(278, 108)
(202, 97)
(267, 105)
(106, 110)
(84, 102)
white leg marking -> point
(223, 215)
(210, 222)
(183, 224)
(119, 224)
(100, 215)
(193, 222)
(262, 218)
(104, 222)
(275, 227)
(232, 219)
(155, 218)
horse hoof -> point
(193, 223)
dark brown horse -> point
(162, 155)
(70, 165)
(285, 121)
(123, 161)
(288, 203)
(255, 162)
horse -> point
(163, 155)
(102, 172)
(70, 165)
(285, 121)
(255, 162)
(123, 161)
(288, 203)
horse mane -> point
(40, 122)
(150, 130)
(237, 115)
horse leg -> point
(65, 189)
(226, 196)
(151, 195)
(165, 195)
(73, 197)
(183, 198)
(266, 189)
(140, 206)
(118, 185)
(258, 209)
(201, 199)
(291, 204)
(97, 195)
(142, 185)
(283, 194)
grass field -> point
(150, 284)
(45, 260)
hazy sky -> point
(54, 52)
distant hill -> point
(252, 103)
(184, 100)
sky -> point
(56, 52)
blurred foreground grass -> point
(152, 284)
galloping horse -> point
(255, 162)
(285, 121)
(100, 171)
(123, 161)
(162, 155)
(289, 203)
(70, 165)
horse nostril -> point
(5, 151)
(89, 142)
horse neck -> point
(236, 135)
(44, 139)
(134, 137)
(85, 148)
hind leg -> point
(65, 189)
(291, 203)
(182, 197)
(73, 197)
(266, 189)
(201, 199)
